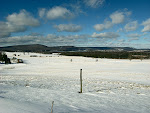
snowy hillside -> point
(109, 85)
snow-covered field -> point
(109, 85)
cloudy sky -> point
(117, 23)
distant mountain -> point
(25, 48)
(43, 48)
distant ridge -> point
(43, 48)
(25, 48)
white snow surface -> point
(109, 85)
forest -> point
(111, 54)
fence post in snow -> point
(52, 107)
(80, 81)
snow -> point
(11, 106)
(109, 85)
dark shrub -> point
(4, 58)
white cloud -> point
(121, 40)
(132, 26)
(4, 34)
(50, 39)
(42, 12)
(19, 39)
(23, 19)
(120, 30)
(68, 27)
(147, 22)
(71, 40)
(6, 28)
(108, 24)
(146, 28)
(64, 38)
(59, 13)
(51, 36)
(94, 3)
(134, 35)
(146, 25)
(35, 34)
(77, 8)
(128, 13)
(15, 28)
(17, 23)
(101, 27)
(110, 35)
(133, 39)
(117, 17)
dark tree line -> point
(4, 58)
(110, 54)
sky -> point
(86, 23)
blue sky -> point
(98, 23)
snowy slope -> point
(109, 85)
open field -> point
(109, 85)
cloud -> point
(77, 8)
(19, 40)
(133, 39)
(61, 40)
(68, 28)
(117, 17)
(53, 38)
(15, 28)
(146, 28)
(23, 18)
(59, 13)
(108, 35)
(120, 30)
(6, 28)
(50, 39)
(134, 35)
(132, 26)
(147, 22)
(42, 12)
(146, 25)
(94, 3)
(101, 27)
(4, 34)
(108, 24)
(128, 13)
(121, 40)
(17, 23)
(35, 34)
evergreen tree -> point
(4, 58)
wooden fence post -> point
(52, 107)
(80, 81)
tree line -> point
(111, 54)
